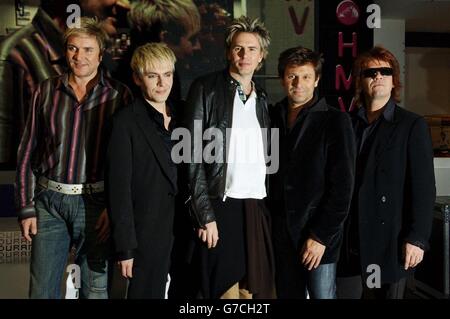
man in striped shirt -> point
(59, 183)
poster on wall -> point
(210, 56)
(290, 23)
(22, 68)
(23, 14)
(200, 52)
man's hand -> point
(126, 267)
(102, 227)
(28, 225)
(312, 253)
(209, 235)
(413, 255)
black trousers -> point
(355, 288)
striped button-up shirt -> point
(64, 139)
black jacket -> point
(313, 187)
(141, 187)
(396, 194)
(210, 101)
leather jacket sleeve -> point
(195, 121)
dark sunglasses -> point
(372, 72)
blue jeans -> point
(296, 282)
(321, 282)
(293, 280)
(64, 221)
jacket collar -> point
(389, 113)
(306, 129)
(233, 84)
(392, 115)
(317, 105)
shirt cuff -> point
(125, 255)
(313, 236)
(417, 243)
(27, 212)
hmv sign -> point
(345, 29)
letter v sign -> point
(299, 26)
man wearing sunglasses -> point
(390, 219)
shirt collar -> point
(242, 94)
(154, 113)
(99, 78)
(388, 112)
(238, 86)
(306, 108)
(311, 102)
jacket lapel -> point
(310, 126)
(151, 135)
(384, 139)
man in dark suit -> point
(142, 177)
(391, 214)
(310, 194)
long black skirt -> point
(221, 267)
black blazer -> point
(315, 181)
(140, 187)
(397, 193)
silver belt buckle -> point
(70, 189)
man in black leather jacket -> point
(227, 189)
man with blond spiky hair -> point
(142, 179)
(60, 168)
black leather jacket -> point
(210, 100)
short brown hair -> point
(90, 27)
(300, 56)
(377, 53)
